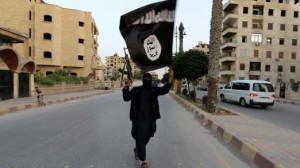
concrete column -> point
(16, 85)
(31, 84)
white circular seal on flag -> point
(152, 47)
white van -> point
(249, 92)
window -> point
(268, 68)
(29, 33)
(270, 26)
(256, 53)
(269, 54)
(49, 73)
(241, 86)
(280, 54)
(244, 39)
(245, 10)
(293, 55)
(47, 36)
(282, 27)
(296, 14)
(281, 41)
(262, 87)
(242, 67)
(47, 18)
(268, 0)
(295, 28)
(279, 68)
(73, 74)
(256, 38)
(283, 13)
(271, 12)
(293, 69)
(245, 24)
(29, 50)
(80, 57)
(269, 40)
(81, 24)
(296, 2)
(81, 41)
(255, 66)
(280, 1)
(29, 15)
(294, 42)
(47, 54)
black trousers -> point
(141, 148)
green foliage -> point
(46, 81)
(165, 78)
(59, 76)
(190, 65)
(55, 77)
(138, 75)
(193, 95)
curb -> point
(36, 104)
(245, 148)
(288, 102)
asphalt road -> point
(281, 114)
(95, 133)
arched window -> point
(47, 36)
(47, 18)
(47, 54)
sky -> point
(194, 14)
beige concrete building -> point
(59, 38)
(261, 40)
(115, 62)
(202, 47)
(16, 69)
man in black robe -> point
(144, 111)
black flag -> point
(148, 33)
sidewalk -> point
(288, 101)
(11, 105)
(264, 144)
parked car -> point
(249, 92)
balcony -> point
(230, 5)
(228, 58)
(227, 72)
(255, 72)
(229, 31)
(228, 45)
(230, 17)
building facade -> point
(202, 47)
(261, 40)
(16, 70)
(114, 63)
(59, 38)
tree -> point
(214, 54)
(190, 65)
(165, 78)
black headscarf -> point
(147, 80)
